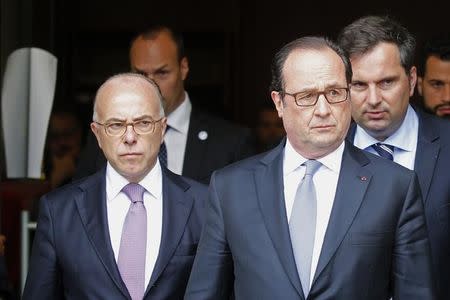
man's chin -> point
(376, 126)
(132, 175)
(445, 116)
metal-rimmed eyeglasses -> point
(117, 128)
(332, 95)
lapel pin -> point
(202, 135)
(363, 178)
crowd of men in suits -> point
(338, 210)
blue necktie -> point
(384, 150)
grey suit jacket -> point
(375, 246)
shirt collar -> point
(179, 118)
(399, 139)
(115, 182)
(293, 160)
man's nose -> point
(373, 96)
(322, 106)
(130, 135)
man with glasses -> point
(384, 76)
(315, 218)
(131, 230)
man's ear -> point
(420, 85)
(184, 67)
(278, 101)
(95, 129)
(412, 80)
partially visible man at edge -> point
(433, 82)
(197, 143)
(381, 52)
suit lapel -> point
(352, 184)
(426, 153)
(273, 209)
(177, 206)
(91, 206)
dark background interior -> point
(229, 43)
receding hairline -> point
(313, 49)
(133, 81)
(151, 34)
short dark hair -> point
(438, 46)
(305, 43)
(364, 34)
(150, 33)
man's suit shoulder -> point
(186, 183)
(246, 165)
(69, 191)
(222, 128)
(429, 122)
(213, 143)
(195, 185)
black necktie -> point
(384, 150)
(162, 155)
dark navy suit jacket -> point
(432, 165)
(375, 246)
(225, 143)
(72, 256)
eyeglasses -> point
(332, 95)
(119, 128)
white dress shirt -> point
(175, 137)
(325, 181)
(117, 205)
(404, 140)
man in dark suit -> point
(192, 136)
(92, 242)
(271, 234)
(382, 56)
